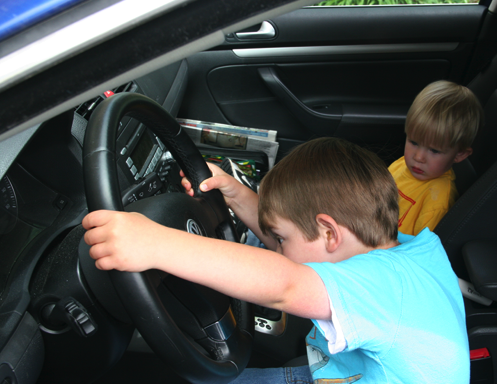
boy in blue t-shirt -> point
(386, 306)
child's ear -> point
(329, 231)
(460, 156)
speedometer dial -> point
(8, 206)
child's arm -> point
(132, 242)
(241, 199)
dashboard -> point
(31, 199)
(42, 203)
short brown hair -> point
(337, 178)
(444, 114)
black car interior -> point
(283, 77)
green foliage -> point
(394, 2)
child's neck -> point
(352, 246)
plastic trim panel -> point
(343, 50)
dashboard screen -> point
(142, 151)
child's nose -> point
(419, 155)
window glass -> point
(393, 2)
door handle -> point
(266, 31)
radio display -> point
(142, 151)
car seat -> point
(469, 232)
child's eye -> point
(279, 240)
(413, 142)
(434, 151)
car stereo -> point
(145, 153)
(146, 163)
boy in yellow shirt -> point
(440, 127)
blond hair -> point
(444, 115)
(337, 178)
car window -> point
(392, 2)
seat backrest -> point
(474, 215)
(484, 86)
(465, 175)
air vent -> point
(85, 110)
(128, 87)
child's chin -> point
(421, 176)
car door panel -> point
(349, 72)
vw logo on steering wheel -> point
(193, 227)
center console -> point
(145, 163)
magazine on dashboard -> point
(232, 137)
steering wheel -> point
(205, 343)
